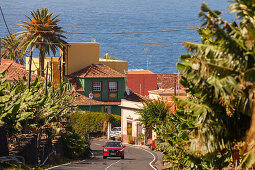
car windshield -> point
(116, 129)
(113, 144)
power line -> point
(5, 22)
(137, 32)
(123, 45)
(115, 27)
(144, 44)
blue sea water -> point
(96, 16)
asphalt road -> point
(135, 159)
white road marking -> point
(97, 144)
(57, 166)
(112, 164)
(154, 158)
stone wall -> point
(4, 151)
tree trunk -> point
(250, 136)
(41, 61)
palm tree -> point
(43, 33)
(220, 77)
(10, 49)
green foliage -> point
(75, 146)
(10, 49)
(30, 111)
(152, 113)
(92, 122)
(41, 32)
(219, 78)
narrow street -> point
(135, 159)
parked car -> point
(115, 132)
(152, 145)
(113, 149)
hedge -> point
(85, 123)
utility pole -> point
(47, 68)
(0, 50)
(51, 71)
(29, 70)
(60, 75)
(147, 55)
(178, 81)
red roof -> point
(76, 85)
(82, 100)
(167, 81)
(14, 71)
(97, 71)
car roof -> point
(113, 141)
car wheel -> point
(122, 157)
(104, 157)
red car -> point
(113, 149)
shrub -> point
(75, 146)
(92, 122)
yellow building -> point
(75, 57)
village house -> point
(131, 127)
(105, 86)
(98, 84)
(14, 71)
(141, 81)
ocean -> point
(125, 28)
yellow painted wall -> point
(81, 55)
(55, 69)
(35, 63)
(117, 65)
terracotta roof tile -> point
(167, 81)
(82, 100)
(97, 71)
(134, 96)
(137, 71)
(14, 71)
(76, 85)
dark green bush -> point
(85, 123)
(75, 146)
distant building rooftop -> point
(97, 71)
(81, 100)
(14, 71)
(139, 71)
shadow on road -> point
(97, 152)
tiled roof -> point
(167, 81)
(14, 71)
(76, 85)
(139, 71)
(133, 96)
(82, 100)
(182, 92)
(97, 71)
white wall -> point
(127, 113)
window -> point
(113, 86)
(97, 86)
(108, 109)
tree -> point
(153, 112)
(220, 78)
(43, 33)
(10, 49)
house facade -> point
(131, 128)
(103, 85)
(14, 71)
(141, 81)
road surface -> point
(135, 159)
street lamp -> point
(90, 97)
